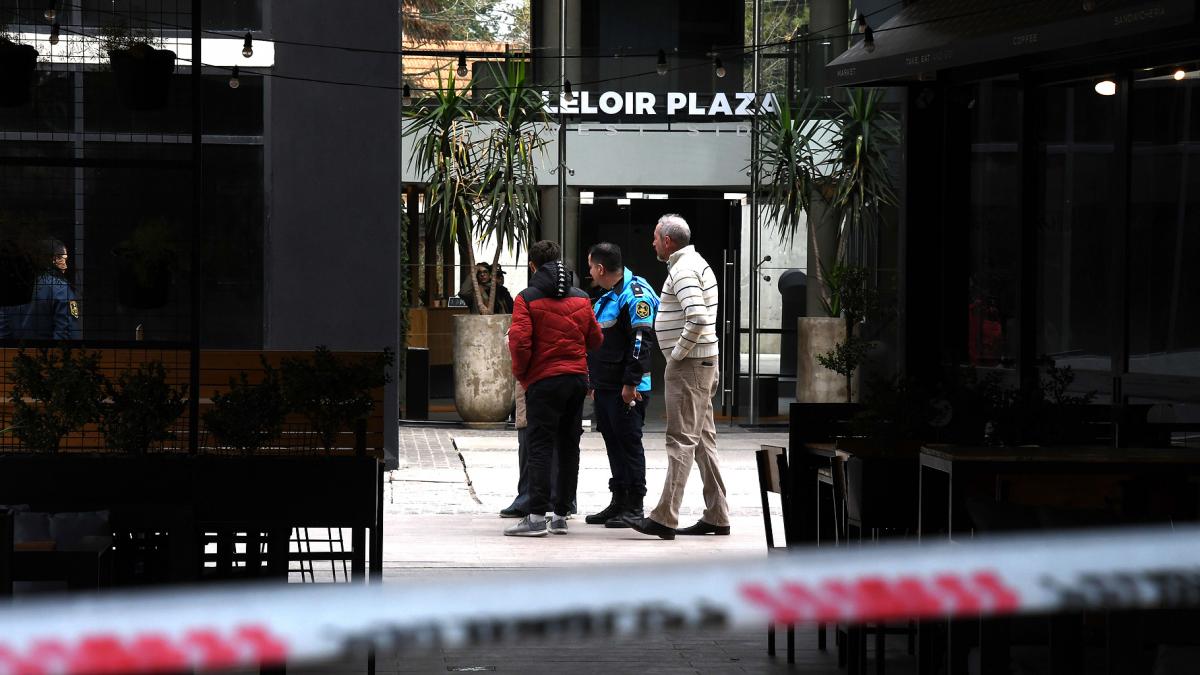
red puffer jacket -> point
(553, 327)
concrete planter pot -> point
(483, 380)
(814, 382)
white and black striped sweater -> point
(686, 324)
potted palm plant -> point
(479, 158)
(828, 162)
(140, 67)
(18, 63)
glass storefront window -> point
(1075, 232)
(1164, 328)
(994, 223)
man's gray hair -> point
(674, 226)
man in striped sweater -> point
(686, 328)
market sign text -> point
(644, 102)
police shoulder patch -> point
(74, 309)
(642, 309)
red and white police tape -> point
(238, 626)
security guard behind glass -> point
(620, 378)
(53, 313)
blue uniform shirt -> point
(52, 315)
(626, 317)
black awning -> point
(931, 35)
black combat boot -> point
(631, 509)
(613, 509)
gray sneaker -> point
(557, 524)
(530, 526)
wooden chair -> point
(772, 477)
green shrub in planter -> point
(143, 407)
(332, 393)
(54, 392)
(250, 414)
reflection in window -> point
(994, 224)
(1076, 227)
(1164, 329)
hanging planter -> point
(146, 264)
(17, 66)
(143, 75)
(142, 284)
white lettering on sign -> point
(720, 105)
(675, 101)
(610, 103)
(636, 103)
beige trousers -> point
(691, 434)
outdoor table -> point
(949, 474)
(808, 468)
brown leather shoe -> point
(702, 527)
(651, 527)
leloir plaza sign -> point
(644, 103)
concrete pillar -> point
(834, 17)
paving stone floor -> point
(441, 517)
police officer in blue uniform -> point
(620, 378)
(53, 314)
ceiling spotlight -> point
(1179, 74)
(661, 66)
(248, 45)
(869, 39)
(235, 80)
(1106, 87)
(462, 64)
(51, 12)
(718, 67)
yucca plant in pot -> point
(18, 63)
(479, 160)
(826, 164)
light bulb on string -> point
(1179, 74)
(54, 33)
(869, 39)
(661, 66)
(462, 64)
(718, 67)
(235, 80)
(248, 45)
(51, 12)
(407, 95)
(1106, 87)
(568, 92)
(862, 23)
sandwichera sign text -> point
(644, 103)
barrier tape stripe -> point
(243, 626)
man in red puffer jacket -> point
(553, 329)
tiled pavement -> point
(441, 517)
